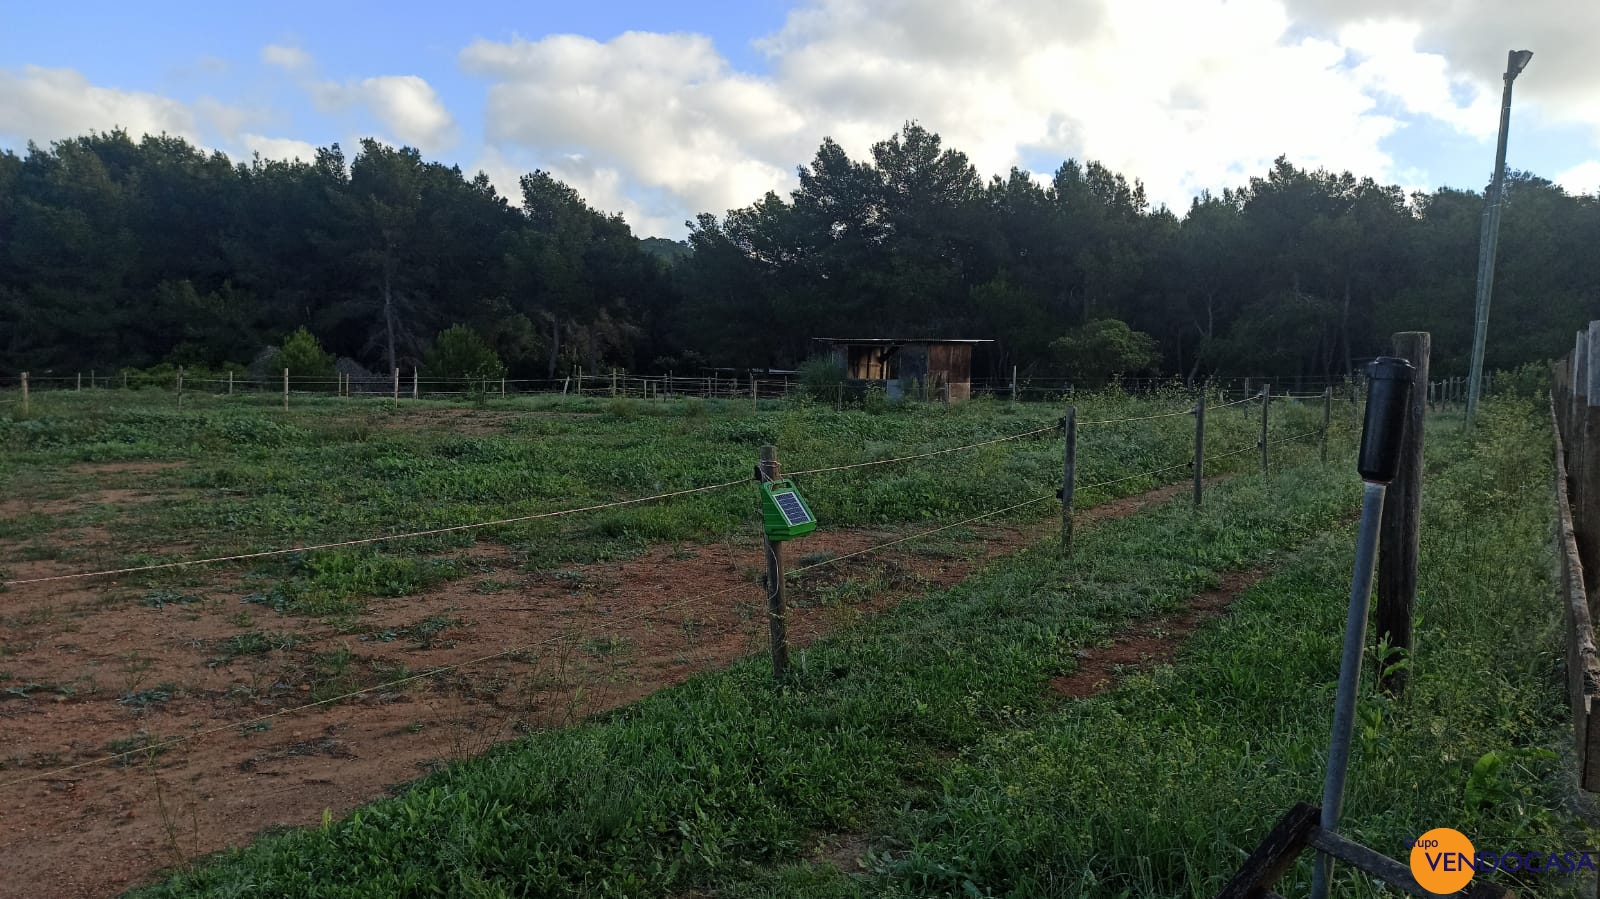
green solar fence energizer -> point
(784, 512)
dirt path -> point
(90, 671)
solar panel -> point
(790, 506)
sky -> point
(661, 111)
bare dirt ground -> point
(90, 670)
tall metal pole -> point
(1378, 462)
(1489, 240)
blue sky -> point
(660, 111)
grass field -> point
(932, 749)
(550, 620)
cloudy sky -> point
(662, 110)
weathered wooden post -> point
(286, 390)
(1327, 413)
(397, 385)
(613, 381)
(24, 394)
(230, 382)
(79, 386)
(754, 405)
(1199, 446)
(777, 622)
(1402, 518)
(1069, 466)
(565, 383)
(1013, 383)
(1266, 401)
(180, 385)
(1588, 473)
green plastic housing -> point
(784, 512)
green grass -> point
(259, 478)
(725, 780)
(930, 734)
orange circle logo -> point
(1442, 860)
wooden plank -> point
(1372, 862)
(1275, 855)
(1583, 660)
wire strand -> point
(953, 449)
(365, 540)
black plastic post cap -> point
(1389, 382)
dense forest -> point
(117, 252)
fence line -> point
(158, 746)
(365, 540)
(941, 452)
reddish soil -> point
(93, 668)
(1154, 641)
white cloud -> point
(1472, 37)
(44, 104)
(663, 111)
(279, 148)
(1583, 178)
(1185, 96)
(406, 105)
(293, 59)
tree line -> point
(116, 252)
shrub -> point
(821, 377)
(304, 357)
(459, 353)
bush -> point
(1100, 349)
(821, 377)
(304, 357)
(459, 353)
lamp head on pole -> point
(1516, 61)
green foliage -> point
(131, 252)
(458, 353)
(304, 357)
(822, 377)
(1092, 354)
(932, 734)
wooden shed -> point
(921, 369)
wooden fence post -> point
(1327, 413)
(286, 390)
(1402, 518)
(180, 385)
(1013, 383)
(230, 382)
(24, 394)
(79, 385)
(1199, 446)
(754, 403)
(565, 383)
(777, 623)
(1266, 401)
(1069, 467)
(397, 385)
(1587, 472)
(613, 382)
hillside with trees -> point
(116, 252)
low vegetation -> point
(928, 742)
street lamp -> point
(1489, 241)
